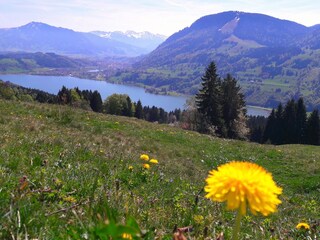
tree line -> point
(116, 104)
(289, 124)
(14, 92)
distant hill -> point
(144, 40)
(40, 37)
(32, 62)
(273, 59)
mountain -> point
(315, 27)
(40, 37)
(209, 33)
(312, 40)
(273, 59)
(145, 40)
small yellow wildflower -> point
(146, 166)
(69, 199)
(130, 168)
(303, 225)
(198, 219)
(239, 183)
(155, 161)
(57, 182)
(126, 236)
(144, 157)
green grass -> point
(78, 183)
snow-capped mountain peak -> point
(145, 40)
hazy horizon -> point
(162, 17)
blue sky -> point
(157, 16)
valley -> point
(274, 60)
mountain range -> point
(273, 59)
(40, 37)
(146, 41)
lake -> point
(53, 84)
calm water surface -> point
(53, 84)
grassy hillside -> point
(68, 173)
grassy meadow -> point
(72, 174)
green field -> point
(64, 174)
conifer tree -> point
(233, 108)
(64, 96)
(289, 118)
(163, 116)
(269, 132)
(127, 107)
(146, 113)
(301, 121)
(139, 110)
(96, 102)
(279, 126)
(154, 114)
(256, 135)
(208, 100)
(313, 129)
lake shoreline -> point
(147, 88)
(259, 107)
(54, 83)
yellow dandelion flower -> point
(155, 161)
(146, 166)
(126, 236)
(130, 168)
(303, 225)
(144, 157)
(242, 183)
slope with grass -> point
(68, 173)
